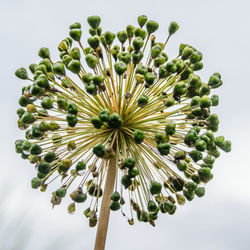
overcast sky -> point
(220, 29)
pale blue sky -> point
(220, 29)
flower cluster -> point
(128, 102)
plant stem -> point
(102, 228)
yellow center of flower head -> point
(119, 99)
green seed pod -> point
(133, 173)
(160, 137)
(109, 37)
(188, 195)
(75, 53)
(204, 174)
(142, 101)
(28, 118)
(138, 32)
(59, 69)
(170, 128)
(191, 186)
(130, 31)
(186, 73)
(21, 73)
(26, 145)
(205, 102)
(66, 60)
(20, 112)
(196, 155)
(169, 207)
(226, 146)
(209, 159)
(33, 159)
(72, 108)
(44, 168)
(182, 166)
(94, 21)
(62, 103)
(72, 120)
(125, 57)
(156, 51)
(142, 20)
(75, 34)
(196, 57)
(92, 31)
(128, 163)
(215, 100)
(200, 191)
(200, 145)
(80, 166)
(122, 36)
(214, 81)
(74, 66)
(42, 81)
(94, 42)
(75, 26)
(35, 183)
(104, 115)
(53, 126)
(50, 157)
(114, 206)
(197, 66)
(173, 27)
(115, 121)
(171, 67)
(61, 192)
(150, 78)
(195, 101)
(169, 101)
(196, 178)
(194, 81)
(78, 197)
(151, 26)
(155, 188)
(120, 67)
(44, 53)
(137, 43)
(180, 155)
(159, 61)
(164, 148)
(186, 53)
(180, 88)
(98, 79)
(115, 196)
(35, 149)
(91, 61)
(137, 57)
(99, 150)
(97, 122)
(126, 181)
(214, 151)
(139, 136)
(91, 88)
(141, 69)
(152, 207)
(32, 67)
(87, 77)
(205, 90)
(191, 137)
(36, 133)
(47, 103)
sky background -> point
(220, 220)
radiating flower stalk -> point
(127, 104)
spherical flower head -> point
(120, 105)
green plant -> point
(137, 119)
